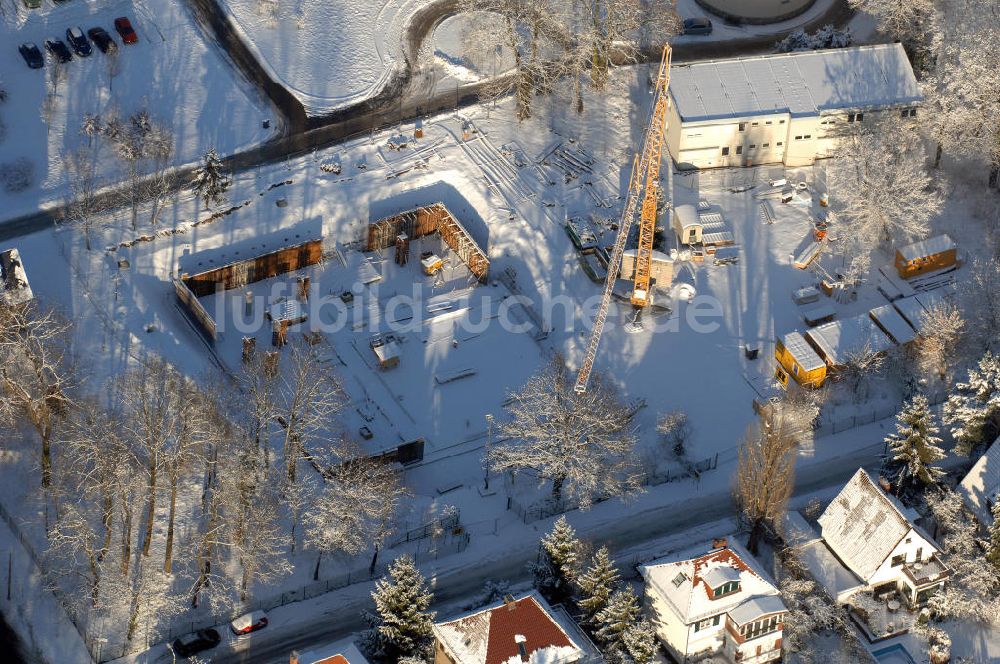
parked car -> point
(78, 41)
(249, 622)
(124, 28)
(105, 42)
(31, 55)
(196, 642)
(32, 4)
(58, 50)
(698, 26)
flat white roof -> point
(929, 247)
(803, 83)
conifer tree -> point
(973, 412)
(209, 181)
(401, 602)
(596, 584)
(614, 620)
(639, 644)
(914, 447)
(993, 546)
(560, 563)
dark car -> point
(697, 26)
(248, 622)
(58, 50)
(192, 644)
(78, 41)
(105, 42)
(124, 28)
(31, 55)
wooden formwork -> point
(415, 223)
(424, 221)
(456, 237)
(238, 274)
(195, 309)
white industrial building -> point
(786, 108)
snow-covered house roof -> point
(802, 351)
(14, 287)
(520, 630)
(981, 485)
(802, 83)
(687, 582)
(862, 525)
(838, 340)
(929, 247)
(348, 654)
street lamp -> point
(486, 457)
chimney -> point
(521, 649)
(248, 304)
(720, 543)
(293, 658)
(508, 601)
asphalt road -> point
(633, 528)
(407, 96)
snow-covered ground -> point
(172, 72)
(504, 184)
(328, 54)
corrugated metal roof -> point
(803, 353)
(840, 339)
(803, 83)
(892, 322)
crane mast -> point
(644, 184)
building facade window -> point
(753, 146)
(739, 149)
(726, 589)
(760, 627)
(779, 143)
(755, 124)
(898, 560)
(725, 151)
(743, 126)
(798, 138)
(765, 145)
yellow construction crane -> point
(644, 183)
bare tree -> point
(980, 298)
(309, 396)
(582, 443)
(765, 475)
(937, 347)
(879, 190)
(160, 414)
(356, 509)
(860, 364)
(85, 207)
(159, 150)
(36, 371)
(900, 19)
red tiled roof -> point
(725, 556)
(503, 624)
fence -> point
(449, 545)
(433, 528)
(831, 421)
(57, 592)
(548, 507)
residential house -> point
(981, 485)
(875, 538)
(717, 602)
(786, 108)
(525, 629)
(336, 654)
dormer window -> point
(679, 579)
(725, 589)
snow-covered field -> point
(172, 72)
(328, 54)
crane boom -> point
(645, 178)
